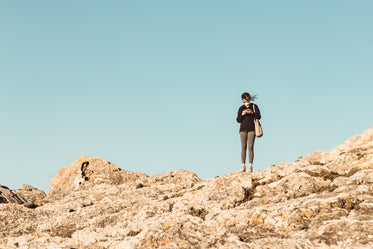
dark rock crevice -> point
(84, 171)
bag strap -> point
(254, 111)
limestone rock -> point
(7, 196)
(30, 195)
(88, 171)
(323, 200)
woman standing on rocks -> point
(246, 114)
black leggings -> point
(247, 138)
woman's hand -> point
(248, 111)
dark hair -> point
(248, 96)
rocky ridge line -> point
(323, 200)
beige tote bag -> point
(258, 126)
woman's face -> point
(246, 101)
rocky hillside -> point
(323, 200)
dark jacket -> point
(247, 121)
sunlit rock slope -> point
(323, 200)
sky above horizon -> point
(154, 86)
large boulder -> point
(86, 172)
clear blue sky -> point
(154, 86)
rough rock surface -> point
(28, 196)
(8, 196)
(87, 172)
(323, 200)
